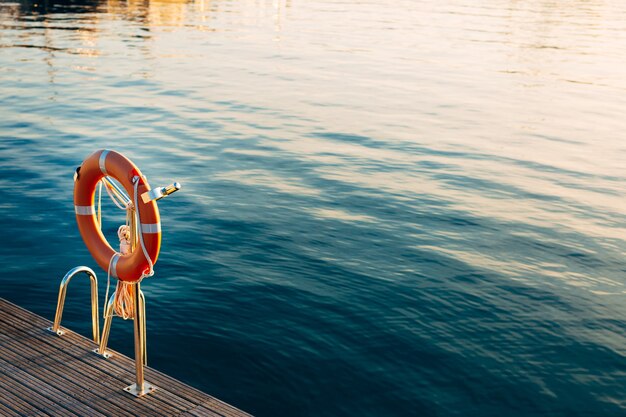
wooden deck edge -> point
(203, 404)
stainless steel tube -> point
(139, 339)
(106, 330)
(95, 319)
(119, 192)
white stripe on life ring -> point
(151, 228)
(85, 210)
(102, 160)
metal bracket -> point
(147, 389)
(160, 192)
(105, 355)
(58, 332)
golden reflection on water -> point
(195, 14)
(521, 100)
(153, 13)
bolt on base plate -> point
(147, 389)
(105, 355)
(58, 332)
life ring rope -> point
(123, 305)
(150, 228)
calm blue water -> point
(390, 208)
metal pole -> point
(108, 317)
(95, 318)
(139, 336)
(140, 387)
(116, 190)
(143, 328)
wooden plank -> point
(18, 406)
(33, 392)
(165, 403)
(5, 410)
(96, 397)
(47, 374)
(103, 384)
(83, 346)
(38, 403)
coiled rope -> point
(124, 302)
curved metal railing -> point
(95, 319)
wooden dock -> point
(44, 374)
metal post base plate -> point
(58, 332)
(147, 389)
(105, 355)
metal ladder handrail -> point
(95, 319)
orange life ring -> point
(102, 163)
